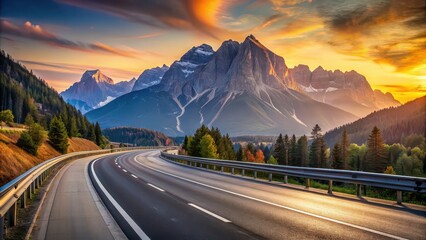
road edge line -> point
(109, 220)
(117, 206)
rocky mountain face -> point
(242, 88)
(95, 90)
(150, 77)
(349, 91)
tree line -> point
(208, 143)
(312, 151)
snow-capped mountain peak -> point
(96, 75)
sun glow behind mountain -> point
(383, 39)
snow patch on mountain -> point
(297, 119)
(200, 51)
(221, 108)
(182, 108)
(103, 103)
(209, 98)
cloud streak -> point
(37, 33)
(199, 15)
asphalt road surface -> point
(151, 198)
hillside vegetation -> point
(15, 161)
(137, 136)
(26, 95)
(396, 124)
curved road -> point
(151, 198)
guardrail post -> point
(232, 171)
(24, 199)
(214, 167)
(2, 228)
(358, 190)
(12, 215)
(221, 168)
(270, 177)
(285, 179)
(201, 165)
(29, 192)
(243, 172)
(308, 183)
(399, 197)
(255, 174)
(330, 186)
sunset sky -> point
(59, 39)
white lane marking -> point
(159, 189)
(209, 213)
(134, 176)
(117, 206)
(119, 166)
(116, 163)
(278, 205)
(124, 170)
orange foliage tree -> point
(259, 158)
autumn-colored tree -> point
(259, 157)
(249, 156)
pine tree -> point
(345, 149)
(376, 157)
(98, 135)
(72, 130)
(302, 153)
(292, 151)
(336, 157)
(279, 150)
(239, 154)
(91, 133)
(58, 136)
(317, 153)
(286, 149)
(208, 147)
(185, 143)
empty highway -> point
(151, 198)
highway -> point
(151, 198)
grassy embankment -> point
(15, 161)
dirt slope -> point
(14, 161)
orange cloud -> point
(36, 32)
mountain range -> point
(349, 91)
(242, 88)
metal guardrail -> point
(24, 185)
(388, 181)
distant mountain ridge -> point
(395, 123)
(243, 89)
(94, 90)
(349, 91)
(150, 77)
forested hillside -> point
(396, 124)
(137, 136)
(25, 94)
